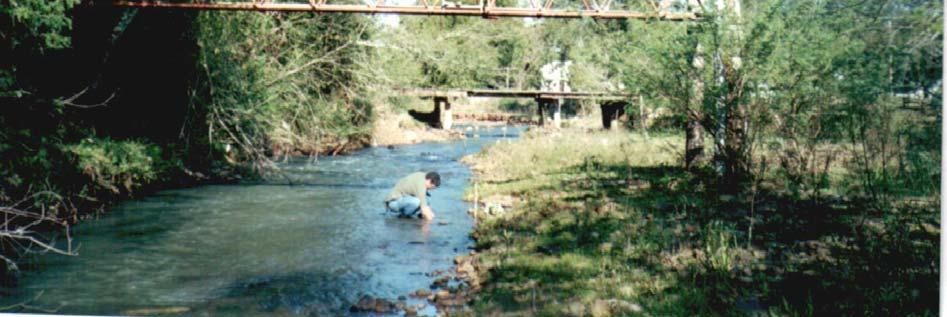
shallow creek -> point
(313, 247)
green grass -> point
(606, 223)
(544, 158)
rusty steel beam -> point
(443, 10)
(532, 94)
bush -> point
(110, 163)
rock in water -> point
(366, 303)
(441, 282)
(441, 294)
(421, 293)
(371, 304)
(384, 306)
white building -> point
(556, 76)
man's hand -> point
(427, 213)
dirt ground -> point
(393, 128)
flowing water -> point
(312, 247)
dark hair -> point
(434, 177)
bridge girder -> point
(486, 8)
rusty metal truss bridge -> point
(598, 9)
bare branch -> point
(21, 235)
(71, 100)
(16, 229)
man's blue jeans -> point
(407, 206)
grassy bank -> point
(606, 223)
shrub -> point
(111, 163)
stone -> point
(371, 304)
(621, 307)
(600, 308)
(929, 228)
(410, 311)
(421, 293)
(441, 282)
(441, 294)
(382, 306)
(366, 303)
(451, 301)
(465, 269)
(575, 309)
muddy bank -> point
(393, 128)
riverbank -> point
(551, 227)
(606, 223)
(396, 127)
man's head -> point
(432, 180)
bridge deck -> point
(532, 94)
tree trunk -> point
(732, 118)
(736, 163)
(736, 126)
(694, 139)
(694, 136)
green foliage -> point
(719, 245)
(453, 52)
(794, 78)
(275, 84)
(36, 25)
(449, 52)
(29, 28)
(110, 163)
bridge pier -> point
(556, 111)
(557, 114)
(445, 118)
(612, 111)
(540, 104)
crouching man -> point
(409, 197)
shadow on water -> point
(312, 246)
(290, 292)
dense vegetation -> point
(100, 104)
(282, 84)
(816, 194)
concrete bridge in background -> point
(612, 103)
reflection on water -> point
(310, 248)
